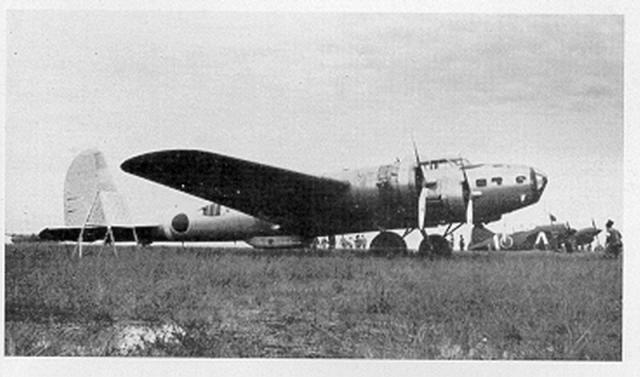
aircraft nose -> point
(539, 181)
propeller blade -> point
(420, 169)
(467, 186)
(415, 150)
(422, 204)
(422, 199)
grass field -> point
(199, 302)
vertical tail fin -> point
(90, 195)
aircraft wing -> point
(122, 233)
(277, 195)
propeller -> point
(469, 213)
(597, 236)
(424, 187)
(422, 203)
(422, 198)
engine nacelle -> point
(446, 200)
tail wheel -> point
(388, 243)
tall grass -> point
(244, 303)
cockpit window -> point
(481, 182)
(446, 162)
(521, 179)
(497, 180)
(212, 210)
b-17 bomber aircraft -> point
(271, 207)
(287, 207)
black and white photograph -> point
(285, 185)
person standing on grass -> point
(461, 243)
(613, 244)
(344, 243)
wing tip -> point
(142, 162)
(128, 165)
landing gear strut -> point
(388, 243)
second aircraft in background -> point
(552, 236)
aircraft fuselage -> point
(383, 198)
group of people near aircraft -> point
(359, 242)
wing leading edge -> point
(281, 196)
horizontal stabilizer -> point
(93, 233)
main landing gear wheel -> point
(388, 243)
(434, 246)
(425, 249)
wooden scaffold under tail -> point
(92, 202)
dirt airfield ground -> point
(238, 303)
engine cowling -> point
(445, 193)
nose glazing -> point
(539, 181)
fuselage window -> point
(481, 182)
(521, 179)
(211, 210)
(497, 180)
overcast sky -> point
(314, 93)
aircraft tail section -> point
(90, 195)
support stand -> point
(109, 237)
(108, 233)
(86, 220)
